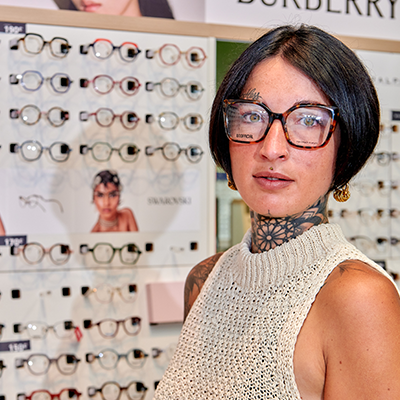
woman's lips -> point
(272, 181)
(90, 7)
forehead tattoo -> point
(252, 94)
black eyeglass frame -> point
(282, 118)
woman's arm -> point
(195, 280)
(361, 333)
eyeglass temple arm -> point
(13, 44)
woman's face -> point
(112, 7)
(274, 178)
(106, 199)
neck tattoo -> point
(268, 232)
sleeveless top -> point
(239, 337)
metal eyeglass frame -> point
(130, 115)
(137, 354)
(65, 149)
(135, 321)
(132, 55)
(131, 149)
(131, 287)
(24, 112)
(64, 45)
(65, 81)
(170, 87)
(131, 248)
(140, 389)
(168, 120)
(150, 150)
(70, 359)
(32, 201)
(38, 330)
(132, 83)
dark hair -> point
(336, 71)
(106, 177)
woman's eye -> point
(310, 121)
(252, 117)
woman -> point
(294, 311)
(106, 196)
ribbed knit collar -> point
(295, 257)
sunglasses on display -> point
(32, 150)
(33, 80)
(108, 328)
(102, 151)
(105, 117)
(171, 54)
(105, 293)
(39, 364)
(33, 43)
(103, 253)
(104, 48)
(64, 394)
(169, 120)
(33, 253)
(38, 330)
(171, 152)
(112, 391)
(33, 200)
(31, 115)
(109, 358)
(170, 87)
(104, 84)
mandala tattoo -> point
(252, 94)
(268, 232)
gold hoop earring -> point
(231, 184)
(342, 194)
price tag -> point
(12, 240)
(21, 345)
(12, 27)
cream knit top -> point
(239, 337)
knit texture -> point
(239, 337)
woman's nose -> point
(275, 146)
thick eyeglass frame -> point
(131, 247)
(64, 249)
(129, 146)
(72, 394)
(15, 114)
(64, 47)
(188, 55)
(137, 355)
(131, 114)
(132, 81)
(177, 86)
(139, 388)
(282, 118)
(132, 288)
(19, 78)
(134, 321)
(70, 358)
(38, 330)
(97, 41)
(65, 149)
(149, 150)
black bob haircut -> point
(335, 70)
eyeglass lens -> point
(102, 151)
(306, 126)
(109, 327)
(34, 253)
(39, 364)
(105, 293)
(34, 44)
(112, 391)
(103, 84)
(103, 49)
(109, 358)
(103, 253)
(105, 117)
(38, 330)
(170, 54)
(65, 394)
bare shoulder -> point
(359, 311)
(126, 212)
(196, 278)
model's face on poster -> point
(106, 200)
(113, 7)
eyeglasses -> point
(171, 151)
(105, 118)
(33, 80)
(385, 129)
(169, 121)
(34, 43)
(34, 253)
(39, 364)
(33, 200)
(64, 394)
(306, 126)
(101, 151)
(2, 366)
(104, 293)
(108, 328)
(38, 330)
(103, 253)
(103, 48)
(31, 115)
(170, 54)
(112, 391)
(109, 358)
(31, 150)
(103, 84)
(170, 87)
(384, 157)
